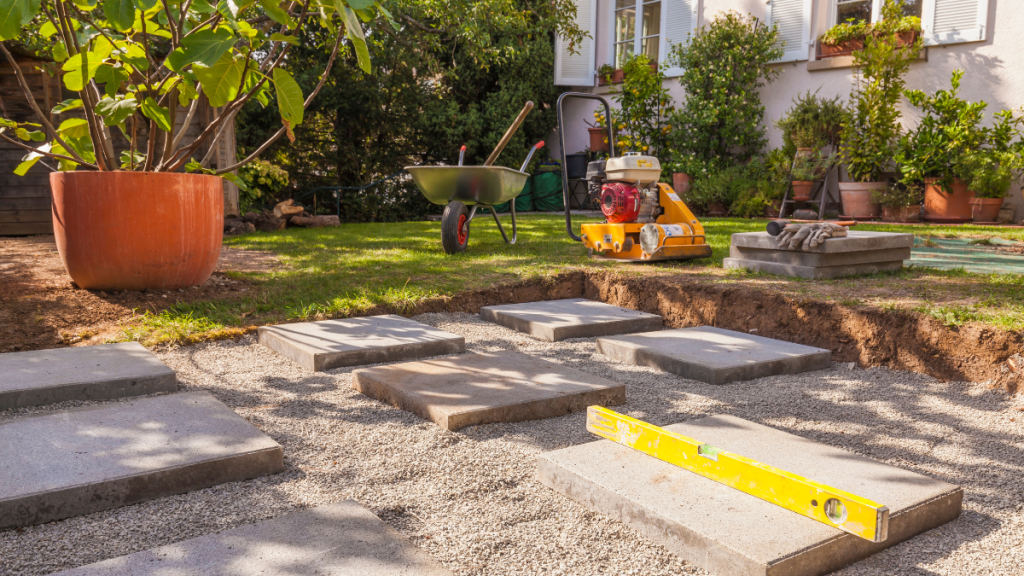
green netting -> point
(994, 256)
(524, 202)
(547, 192)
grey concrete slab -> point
(102, 372)
(855, 241)
(731, 533)
(330, 344)
(555, 320)
(507, 386)
(714, 355)
(818, 259)
(74, 462)
(340, 539)
(812, 272)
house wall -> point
(993, 71)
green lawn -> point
(340, 271)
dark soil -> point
(41, 308)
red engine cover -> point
(620, 202)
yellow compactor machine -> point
(645, 220)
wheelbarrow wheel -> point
(455, 228)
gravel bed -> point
(470, 500)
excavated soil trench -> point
(870, 337)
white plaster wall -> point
(994, 70)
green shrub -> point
(263, 182)
(725, 65)
(990, 173)
(899, 195)
(872, 127)
(812, 122)
(641, 121)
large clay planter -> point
(944, 206)
(986, 210)
(717, 209)
(681, 183)
(902, 214)
(802, 190)
(857, 202)
(598, 139)
(137, 230)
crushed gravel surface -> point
(470, 500)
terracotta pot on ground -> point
(856, 198)
(137, 230)
(802, 190)
(986, 209)
(904, 214)
(598, 139)
(717, 209)
(681, 183)
(944, 206)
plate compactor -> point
(645, 220)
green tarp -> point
(543, 192)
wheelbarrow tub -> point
(484, 185)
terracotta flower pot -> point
(598, 139)
(681, 183)
(947, 206)
(802, 190)
(857, 202)
(986, 209)
(903, 214)
(615, 77)
(841, 49)
(137, 230)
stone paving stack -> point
(861, 252)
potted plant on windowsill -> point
(608, 74)
(900, 202)
(848, 37)
(872, 127)
(127, 217)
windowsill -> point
(842, 62)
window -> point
(637, 35)
(869, 10)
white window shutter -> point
(794, 20)
(954, 21)
(678, 21)
(578, 69)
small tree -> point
(644, 105)
(138, 64)
(873, 126)
(725, 65)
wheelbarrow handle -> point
(462, 154)
(509, 133)
(529, 155)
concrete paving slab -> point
(102, 372)
(714, 355)
(812, 272)
(330, 344)
(555, 320)
(731, 533)
(506, 386)
(855, 241)
(819, 258)
(84, 460)
(340, 539)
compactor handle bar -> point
(561, 145)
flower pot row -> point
(941, 206)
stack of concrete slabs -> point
(507, 386)
(714, 355)
(731, 533)
(860, 252)
(102, 372)
(341, 539)
(555, 320)
(320, 346)
(84, 460)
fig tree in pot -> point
(872, 126)
(126, 216)
(946, 144)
